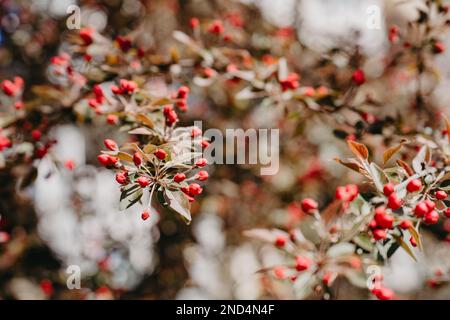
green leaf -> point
(179, 203)
(130, 200)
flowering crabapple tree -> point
(230, 68)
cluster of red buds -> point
(13, 90)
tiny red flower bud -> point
(103, 159)
(341, 193)
(359, 77)
(4, 237)
(379, 234)
(290, 82)
(414, 185)
(195, 189)
(204, 144)
(93, 103)
(383, 220)
(143, 181)
(388, 189)
(421, 209)
(383, 293)
(441, 195)
(195, 132)
(202, 175)
(19, 105)
(69, 164)
(430, 204)
(216, 27)
(182, 92)
(447, 212)
(98, 91)
(137, 159)
(328, 278)
(110, 144)
(160, 154)
(280, 241)
(279, 273)
(394, 202)
(194, 23)
(179, 177)
(86, 35)
(405, 224)
(46, 287)
(431, 217)
(201, 162)
(112, 119)
(373, 224)
(413, 242)
(309, 205)
(352, 191)
(302, 263)
(438, 47)
(36, 134)
(145, 215)
(121, 177)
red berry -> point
(379, 234)
(216, 27)
(430, 204)
(160, 154)
(372, 224)
(279, 272)
(414, 185)
(69, 164)
(352, 191)
(394, 202)
(341, 193)
(110, 144)
(193, 23)
(413, 242)
(121, 177)
(202, 175)
(309, 205)
(143, 181)
(384, 293)
(383, 220)
(405, 224)
(182, 92)
(441, 195)
(47, 287)
(302, 263)
(103, 159)
(145, 215)
(86, 35)
(431, 217)
(201, 162)
(137, 159)
(388, 189)
(328, 278)
(280, 241)
(204, 144)
(358, 77)
(447, 212)
(195, 132)
(194, 189)
(4, 237)
(112, 119)
(36, 134)
(179, 177)
(421, 209)
(439, 47)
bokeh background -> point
(72, 218)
